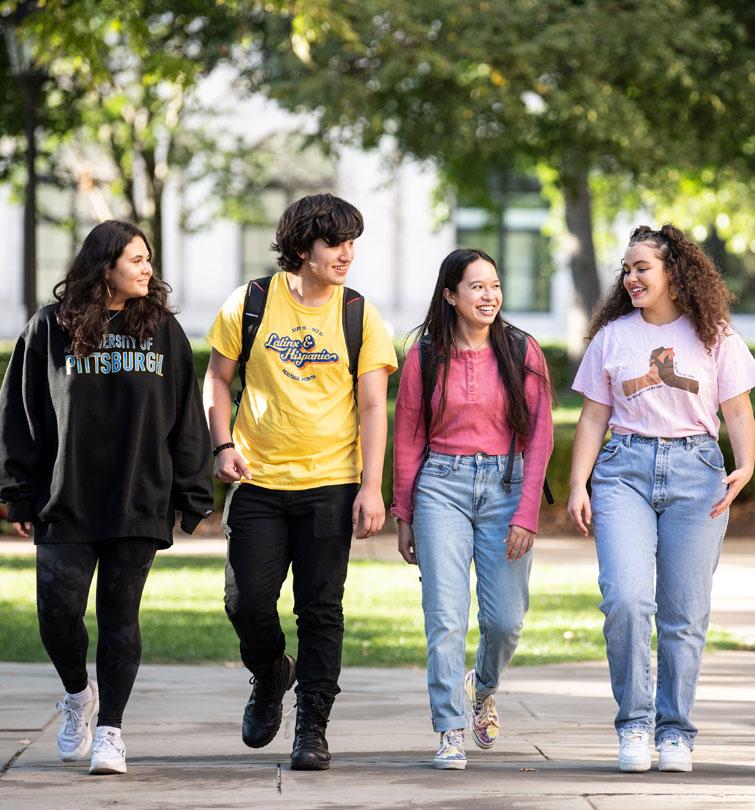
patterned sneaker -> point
(451, 754)
(74, 735)
(108, 751)
(484, 719)
(634, 754)
(674, 755)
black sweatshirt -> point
(105, 446)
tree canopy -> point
(631, 88)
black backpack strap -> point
(254, 308)
(352, 317)
(519, 350)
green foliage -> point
(183, 621)
(488, 89)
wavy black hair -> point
(83, 293)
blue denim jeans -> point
(462, 513)
(657, 551)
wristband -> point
(221, 447)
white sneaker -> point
(674, 755)
(451, 754)
(75, 735)
(634, 753)
(108, 751)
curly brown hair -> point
(701, 293)
(83, 296)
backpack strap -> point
(254, 308)
(352, 318)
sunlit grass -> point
(183, 621)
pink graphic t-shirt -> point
(660, 380)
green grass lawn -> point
(183, 621)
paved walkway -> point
(558, 749)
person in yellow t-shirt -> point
(305, 464)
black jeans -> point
(268, 531)
(64, 574)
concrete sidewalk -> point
(558, 747)
(557, 751)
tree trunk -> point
(579, 224)
(156, 225)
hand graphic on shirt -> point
(664, 362)
(661, 371)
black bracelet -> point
(221, 447)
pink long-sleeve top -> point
(474, 421)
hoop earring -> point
(109, 293)
(673, 293)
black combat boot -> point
(310, 752)
(264, 709)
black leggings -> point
(64, 575)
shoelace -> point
(634, 738)
(453, 738)
(483, 709)
(108, 740)
(72, 717)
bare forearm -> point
(373, 428)
(588, 440)
(217, 406)
(741, 427)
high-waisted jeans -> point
(657, 550)
(462, 513)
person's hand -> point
(518, 542)
(735, 480)
(662, 360)
(23, 529)
(579, 509)
(406, 542)
(368, 512)
(231, 466)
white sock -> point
(103, 730)
(82, 697)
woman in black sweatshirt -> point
(102, 438)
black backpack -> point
(352, 315)
(519, 349)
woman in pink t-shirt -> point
(467, 406)
(662, 359)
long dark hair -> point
(83, 293)
(695, 286)
(438, 331)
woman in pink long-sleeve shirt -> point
(457, 495)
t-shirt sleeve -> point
(225, 333)
(735, 366)
(592, 380)
(377, 348)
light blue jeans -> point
(657, 551)
(462, 513)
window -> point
(515, 240)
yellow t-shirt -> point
(297, 426)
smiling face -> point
(477, 299)
(328, 264)
(131, 274)
(645, 277)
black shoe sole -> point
(257, 743)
